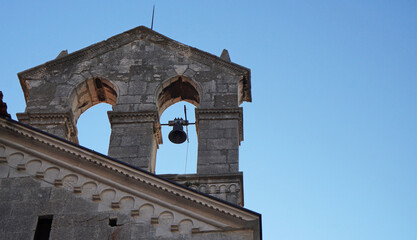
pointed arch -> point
(177, 89)
(93, 91)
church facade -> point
(53, 188)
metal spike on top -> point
(153, 13)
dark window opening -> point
(43, 228)
(112, 222)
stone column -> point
(58, 124)
(219, 134)
(135, 137)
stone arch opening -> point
(177, 158)
(175, 90)
(91, 92)
(93, 128)
(85, 96)
(169, 95)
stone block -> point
(223, 124)
(226, 101)
(105, 233)
(4, 170)
(211, 133)
(209, 157)
(234, 167)
(217, 144)
(24, 208)
(128, 99)
(136, 88)
(131, 140)
(89, 232)
(5, 208)
(63, 90)
(222, 88)
(142, 231)
(232, 133)
(14, 173)
(122, 151)
(212, 168)
(232, 156)
(62, 232)
(5, 184)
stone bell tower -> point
(141, 73)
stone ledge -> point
(231, 183)
(137, 117)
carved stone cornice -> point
(137, 117)
(132, 117)
(44, 118)
(212, 184)
(221, 114)
(122, 176)
(40, 120)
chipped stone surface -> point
(140, 73)
(87, 199)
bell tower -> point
(140, 73)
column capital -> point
(46, 121)
(137, 117)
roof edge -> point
(77, 150)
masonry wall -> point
(141, 73)
(23, 199)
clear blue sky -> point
(330, 137)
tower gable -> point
(141, 73)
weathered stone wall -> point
(35, 182)
(141, 73)
(23, 199)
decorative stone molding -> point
(154, 220)
(21, 167)
(174, 228)
(117, 201)
(43, 120)
(60, 172)
(220, 186)
(39, 175)
(138, 117)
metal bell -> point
(177, 135)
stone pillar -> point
(58, 124)
(219, 134)
(135, 137)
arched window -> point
(91, 92)
(94, 128)
(172, 96)
(90, 102)
(177, 158)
